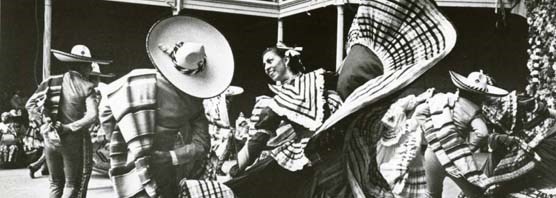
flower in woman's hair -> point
(292, 53)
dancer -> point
(388, 49)
(453, 129)
(369, 73)
(523, 154)
(447, 120)
(146, 109)
(66, 107)
(285, 168)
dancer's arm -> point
(200, 141)
(34, 103)
(479, 133)
(90, 116)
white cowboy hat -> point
(79, 53)
(193, 55)
(476, 82)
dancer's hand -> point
(161, 157)
(101, 139)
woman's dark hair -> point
(295, 64)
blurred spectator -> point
(10, 141)
(17, 101)
(4, 122)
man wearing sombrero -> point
(147, 109)
(66, 107)
(452, 128)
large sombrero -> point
(476, 82)
(193, 55)
(79, 53)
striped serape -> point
(45, 101)
(131, 101)
(441, 134)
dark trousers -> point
(69, 165)
(41, 162)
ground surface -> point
(15, 183)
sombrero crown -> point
(193, 55)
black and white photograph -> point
(278, 98)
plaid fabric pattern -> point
(408, 36)
(132, 101)
(301, 101)
(416, 183)
(442, 137)
(204, 189)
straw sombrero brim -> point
(68, 57)
(464, 83)
(219, 70)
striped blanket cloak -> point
(136, 122)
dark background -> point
(117, 31)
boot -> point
(44, 170)
(32, 170)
